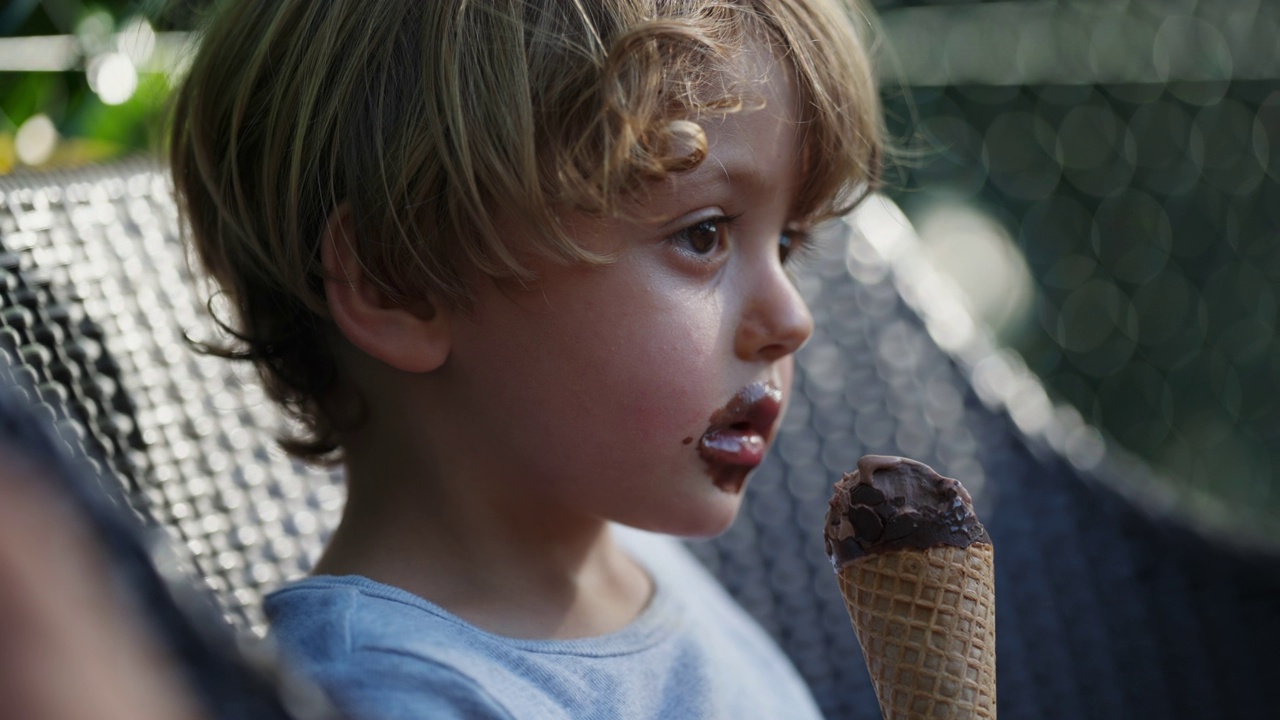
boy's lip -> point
(739, 433)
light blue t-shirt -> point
(385, 654)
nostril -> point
(775, 322)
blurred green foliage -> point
(89, 129)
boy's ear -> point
(412, 337)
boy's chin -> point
(712, 519)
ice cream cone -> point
(926, 623)
(917, 572)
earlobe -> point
(409, 337)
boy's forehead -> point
(759, 74)
(747, 146)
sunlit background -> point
(1098, 178)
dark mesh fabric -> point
(96, 303)
(229, 678)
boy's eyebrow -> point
(737, 174)
(714, 181)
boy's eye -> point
(791, 244)
(704, 237)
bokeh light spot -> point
(978, 254)
(35, 140)
(1096, 149)
(1132, 236)
(113, 77)
(1170, 147)
(1190, 48)
(137, 40)
(1162, 304)
(1020, 156)
(1088, 316)
(1230, 159)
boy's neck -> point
(488, 561)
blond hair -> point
(423, 116)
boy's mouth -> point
(738, 435)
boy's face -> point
(645, 390)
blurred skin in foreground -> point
(70, 649)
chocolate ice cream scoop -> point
(892, 503)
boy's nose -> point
(775, 321)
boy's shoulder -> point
(374, 648)
(352, 614)
(336, 617)
(381, 651)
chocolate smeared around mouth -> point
(738, 433)
(754, 406)
(892, 503)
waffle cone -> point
(926, 622)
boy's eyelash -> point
(724, 223)
(802, 247)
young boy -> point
(522, 268)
